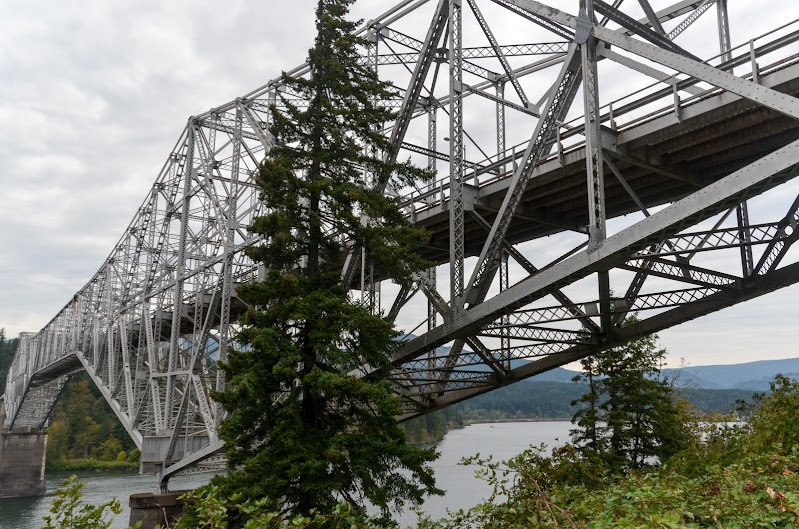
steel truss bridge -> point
(554, 215)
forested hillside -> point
(432, 427)
(754, 376)
(7, 350)
(545, 400)
(82, 426)
(552, 400)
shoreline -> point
(91, 464)
(486, 421)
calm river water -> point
(502, 440)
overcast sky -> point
(94, 94)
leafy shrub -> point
(776, 419)
(207, 508)
(108, 450)
(726, 476)
(70, 512)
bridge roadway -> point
(672, 165)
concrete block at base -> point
(22, 457)
(154, 509)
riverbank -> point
(518, 419)
(92, 464)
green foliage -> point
(302, 429)
(210, 508)
(525, 400)
(83, 427)
(134, 456)
(432, 427)
(7, 350)
(629, 418)
(91, 464)
(69, 512)
(108, 450)
(726, 476)
(777, 417)
(552, 400)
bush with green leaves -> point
(70, 512)
(134, 455)
(726, 476)
(210, 508)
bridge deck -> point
(662, 158)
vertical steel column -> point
(747, 259)
(73, 331)
(724, 30)
(593, 152)
(152, 357)
(227, 269)
(152, 316)
(109, 292)
(432, 133)
(180, 272)
(96, 338)
(212, 136)
(55, 330)
(742, 210)
(126, 373)
(593, 129)
(500, 86)
(504, 283)
(85, 321)
(370, 291)
(456, 220)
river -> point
(501, 440)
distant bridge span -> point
(555, 213)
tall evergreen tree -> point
(302, 430)
(587, 436)
(629, 417)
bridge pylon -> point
(22, 460)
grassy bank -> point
(91, 464)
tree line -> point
(531, 400)
(8, 348)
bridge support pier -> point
(22, 458)
(156, 509)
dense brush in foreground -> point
(727, 476)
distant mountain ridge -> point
(750, 375)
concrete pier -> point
(22, 457)
(156, 509)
